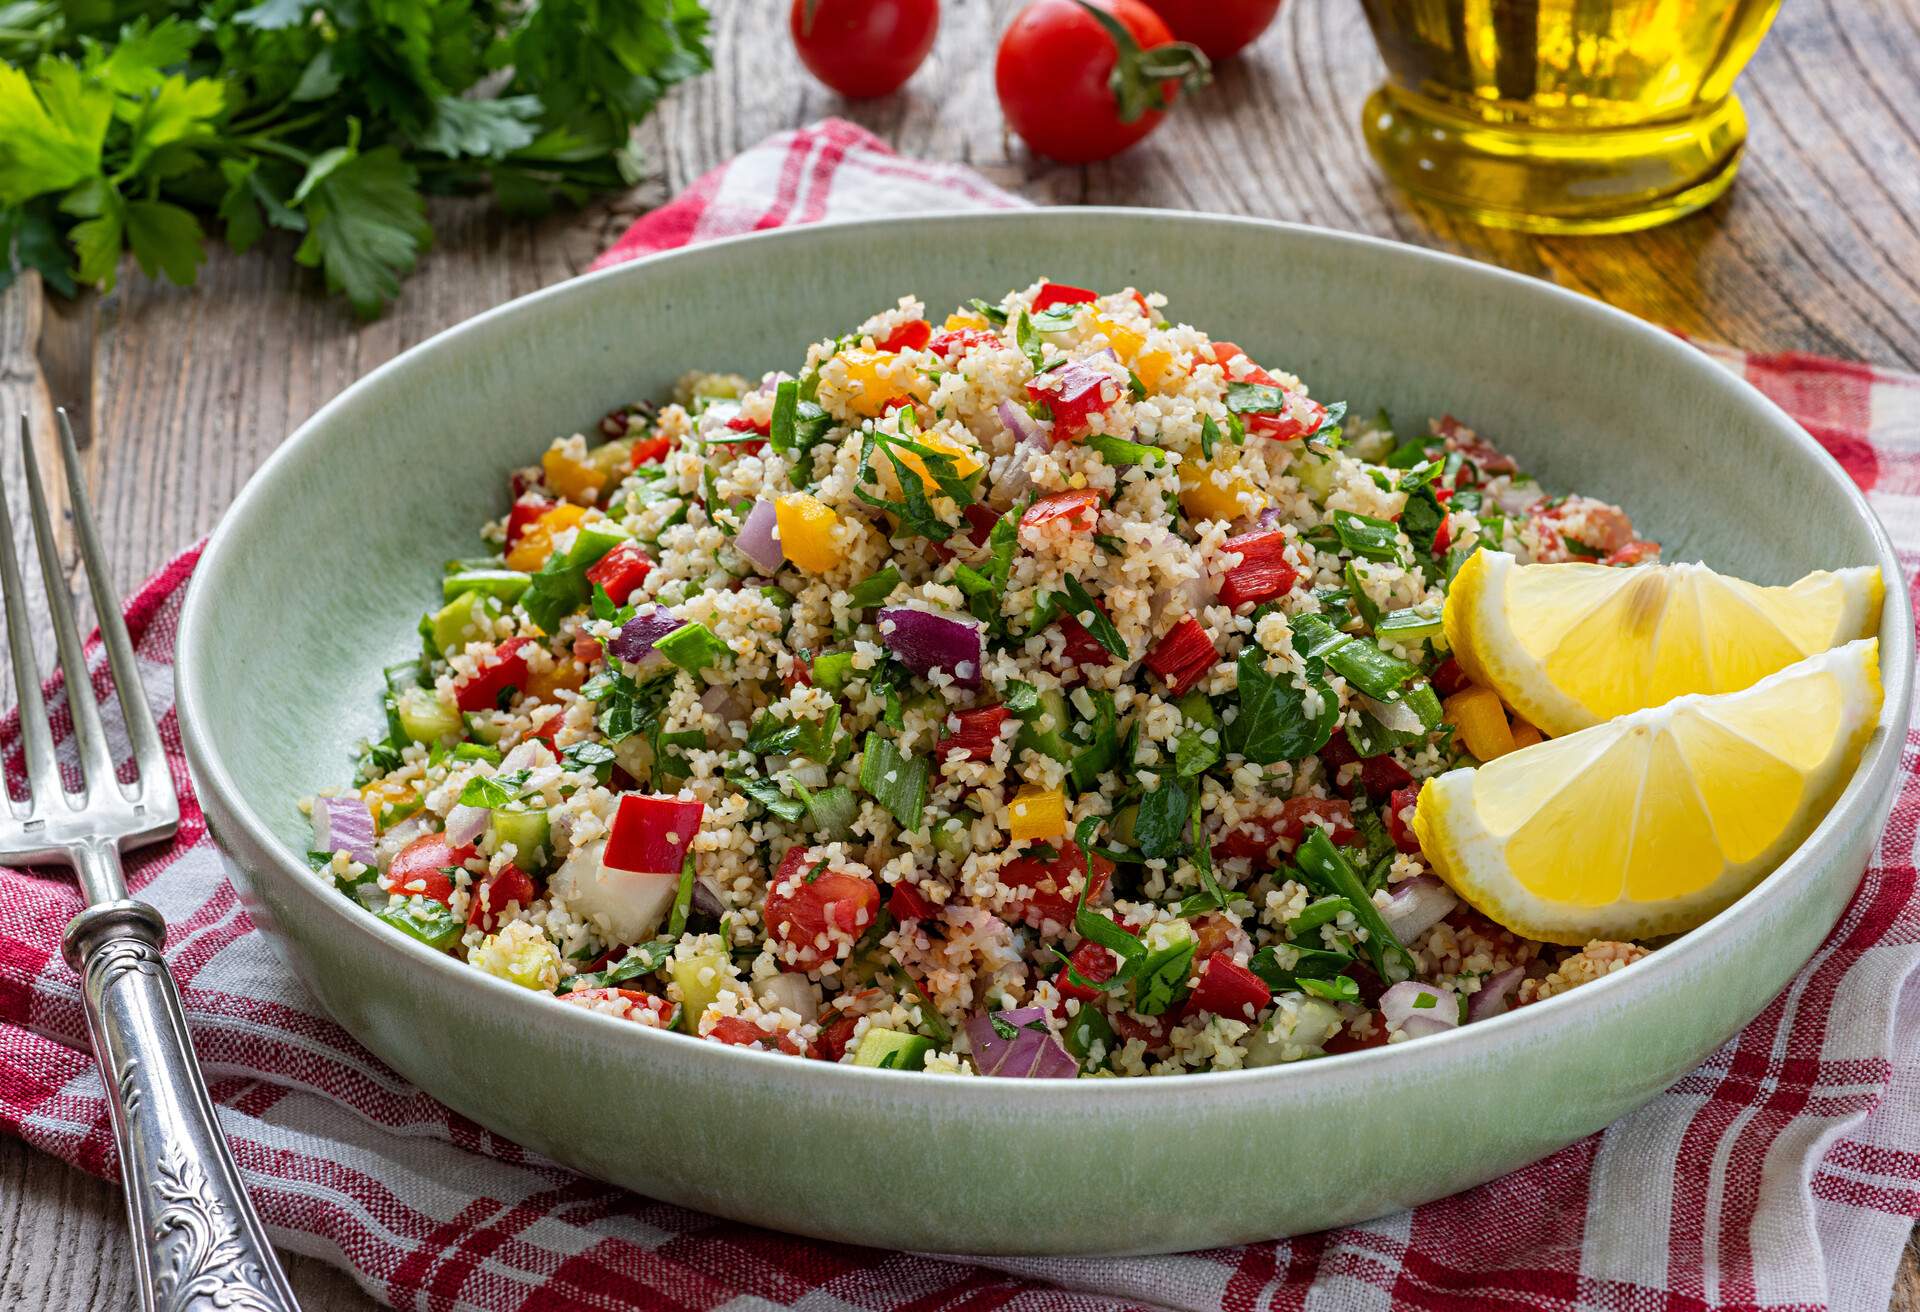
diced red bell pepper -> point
(1077, 509)
(1448, 678)
(521, 517)
(803, 908)
(1093, 963)
(1183, 655)
(1399, 830)
(544, 730)
(980, 521)
(1633, 553)
(909, 336)
(492, 895)
(1343, 1040)
(651, 450)
(505, 669)
(1050, 890)
(979, 730)
(420, 869)
(1083, 649)
(1263, 572)
(1153, 1031)
(1059, 293)
(651, 834)
(834, 1037)
(737, 1032)
(620, 571)
(908, 903)
(956, 342)
(1227, 988)
(1072, 393)
(1254, 839)
(1141, 301)
(1443, 536)
(1223, 354)
(742, 424)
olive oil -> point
(1563, 115)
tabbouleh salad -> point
(1039, 692)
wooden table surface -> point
(184, 392)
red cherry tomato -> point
(863, 48)
(804, 907)
(1055, 78)
(1222, 28)
(494, 894)
(420, 868)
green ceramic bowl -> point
(320, 571)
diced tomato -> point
(1336, 753)
(1227, 988)
(524, 512)
(737, 1032)
(801, 675)
(1212, 932)
(1287, 425)
(1443, 536)
(1183, 655)
(908, 903)
(1254, 839)
(1049, 890)
(662, 1011)
(505, 669)
(1093, 963)
(1402, 800)
(1141, 301)
(651, 834)
(1343, 1040)
(831, 1045)
(1083, 649)
(492, 895)
(1448, 678)
(956, 342)
(587, 649)
(1059, 293)
(545, 729)
(742, 424)
(909, 336)
(803, 908)
(1078, 509)
(1633, 553)
(1381, 775)
(1154, 1031)
(1223, 355)
(1072, 393)
(620, 571)
(420, 869)
(651, 450)
(1263, 572)
(979, 730)
(1459, 437)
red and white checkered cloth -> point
(1783, 1174)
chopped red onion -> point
(759, 539)
(1496, 993)
(634, 642)
(1417, 1009)
(343, 824)
(1395, 715)
(706, 896)
(1417, 905)
(465, 824)
(1025, 428)
(926, 640)
(1032, 1053)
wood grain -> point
(183, 392)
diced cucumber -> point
(1315, 474)
(1198, 710)
(1123, 822)
(950, 838)
(1046, 730)
(612, 459)
(506, 584)
(424, 718)
(425, 920)
(833, 811)
(700, 976)
(482, 727)
(1290, 1034)
(529, 833)
(405, 675)
(831, 670)
(892, 1050)
(467, 618)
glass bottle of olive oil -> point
(1563, 115)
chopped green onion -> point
(693, 648)
(897, 782)
(1363, 535)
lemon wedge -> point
(1568, 646)
(1651, 823)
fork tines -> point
(103, 809)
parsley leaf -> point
(1275, 723)
(897, 782)
(1081, 606)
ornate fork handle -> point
(198, 1244)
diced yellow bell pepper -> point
(572, 479)
(387, 793)
(1482, 722)
(864, 371)
(1154, 367)
(611, 460)
(806, 532)
(964, 319)
(1203, 498)
(1126, 343)
(530, 551)
(1037, 813)
(965, 459)
(1525, 735)
(542, 684)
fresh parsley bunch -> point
(140, 124)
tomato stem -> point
(1138, 75)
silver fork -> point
(197, 1241)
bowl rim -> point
(1855, 805)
